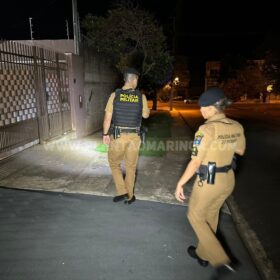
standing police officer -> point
(215, 144)
(123, 116)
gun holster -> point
(211, 172)
(143, 133)
(207, 172)
(115, 131)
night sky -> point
(49, 16)
(203, 31)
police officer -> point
(215, 144)
(123, 116)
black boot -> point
(120, 197)
(192, 253)
(130, 201)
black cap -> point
(211, 96)
(130, 70)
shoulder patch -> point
(197, 139)
(194, 151)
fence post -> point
(59, 91)
(40, 84)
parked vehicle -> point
(192, 99)
(179, 97)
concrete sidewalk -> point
(57, 236)
(72, 165)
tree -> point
(249, 81)
(231, 66)
(270, 50)
(240, 77)
(130, 36)
(272, 69)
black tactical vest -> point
(127, 108)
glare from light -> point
(176, 80)
(269, 88)
(167, 87)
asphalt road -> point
(60, 236)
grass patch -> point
(159, 130)
(102, 148)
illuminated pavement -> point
(51, 235)
(73, 166)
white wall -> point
(63, 46)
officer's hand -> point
(179, 193)
(106, 139)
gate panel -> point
(53, 103)
(34, 95)
(57, 92)
(18, 110)
(65, 94)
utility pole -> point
(75, 26)
(31, 30)
(67, 29)
(171, 97)
(174, 83)
(79, 28)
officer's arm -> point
(108, 114)
(189, 172)
(202, 141)
(241, 144)
(146, 110)
(107, 122)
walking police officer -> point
(123, 116)
(215, 144)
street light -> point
(269, 89)
(174, 83)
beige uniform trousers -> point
(203, 214)
(126, 148)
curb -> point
(248, 236)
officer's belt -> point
(224, 169)
(129, 130)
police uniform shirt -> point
(145, 110)
(217, 140)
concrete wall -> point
(99, 82)
(91, 81)
(76, 88)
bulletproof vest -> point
(127, 109)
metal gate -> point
(34, 95)
(56, 89)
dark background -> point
(194, 29)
